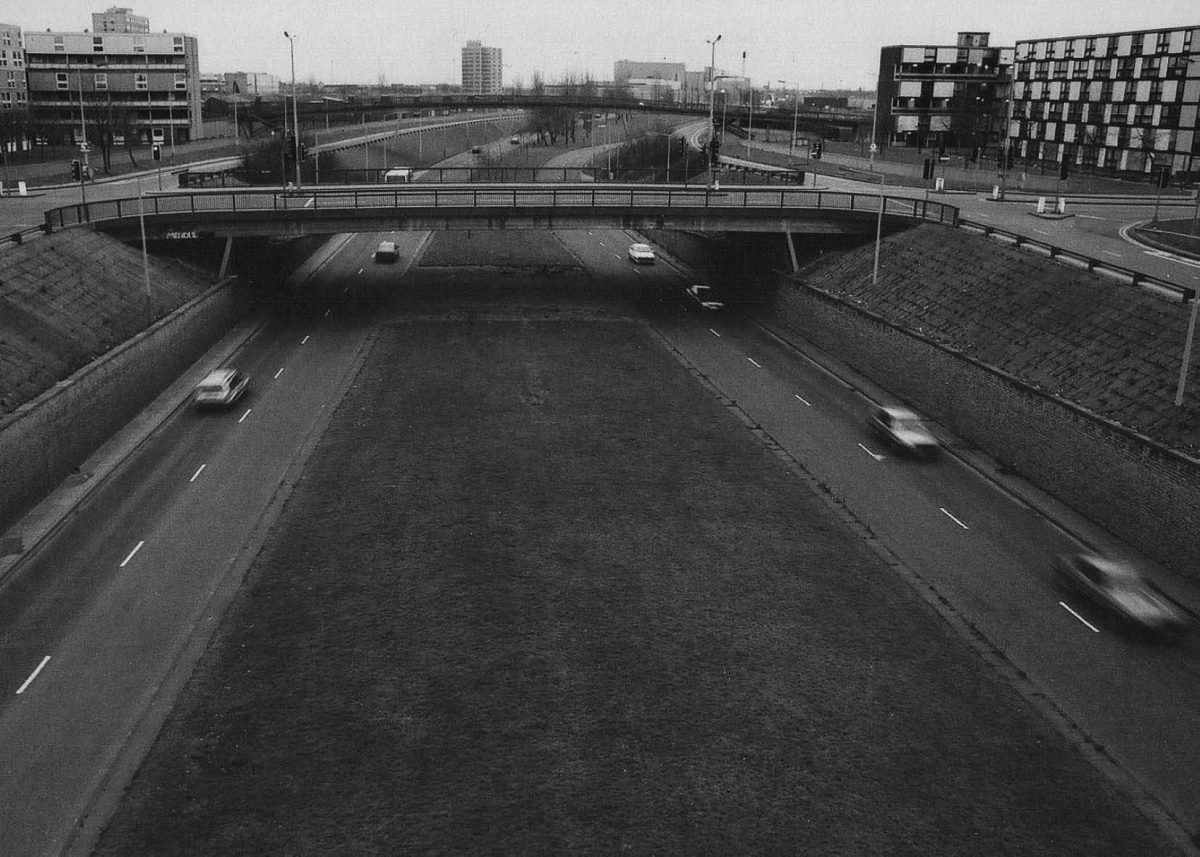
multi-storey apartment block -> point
(943, 96)
(482, 69)
(14, 89)
(127, 85)
(1120, 101)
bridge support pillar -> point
(229, 252)
(792, 250)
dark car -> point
(1121, 590)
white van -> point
(398, 175)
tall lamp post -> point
(295, 120)
(874, 122)
(712, 86)
(795, 115)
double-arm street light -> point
(712, 86)
(295, 121)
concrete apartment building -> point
(936, 96)
(14, 87)
(118, 19)
(482, 69)
(130, 84)
(1115, 101)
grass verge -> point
(539, 593)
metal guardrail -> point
(506, 197)
(20, 237)
(1185, 294)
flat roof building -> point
(130, 85)
(1118, 101)
(118, 19)
(482, 69)
(14, 88)
(937, 96)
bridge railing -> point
(492, 197)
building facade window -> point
(101, 80)
(141, 81)
(181, 81)
(61, 80)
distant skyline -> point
(817, 45)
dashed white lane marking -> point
(1067, 607)
(304, 341)
(874, 455)
(801, 398)
(952, 518)
(757, 365)
(242, 418)
(33, 675)
(132, 553)
(199, 470)
(277, 374)
(714, 333)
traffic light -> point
(816, 150)
(76, 171)
(157, 150)
(303, 151)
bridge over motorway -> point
(315, 116)
(229, 213)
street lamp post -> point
(795, 115)
(874, 120)
(712, 87)
(86, 169)
(295, 119)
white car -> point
(221, 388)
(904, 430)
(387, 251)
(641, 254)
(703, 295)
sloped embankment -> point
(1107, 347)
(71, 296)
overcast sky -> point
(820, 43)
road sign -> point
(874, 148)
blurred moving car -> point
(387, 251)
(1119, 588)
(703, 295)
(514, 141)
(221, 388)
(641, 254)
(904, 430)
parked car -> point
(641, 254)
(387, 251)
(477, 150)
(903, 430)
(221, 388)
(1120, 589)
(703, 295)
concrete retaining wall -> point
(45, 439)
